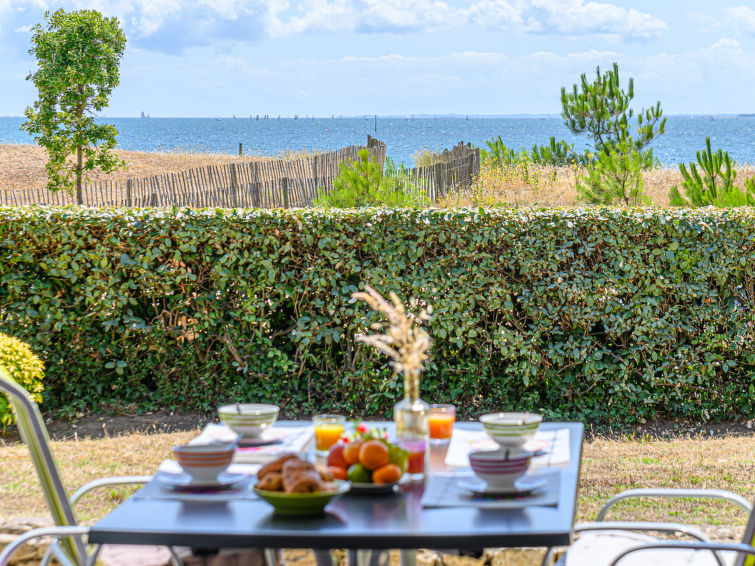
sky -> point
(213, 58)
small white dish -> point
(525, 484)
(225, 480)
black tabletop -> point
(378, 522)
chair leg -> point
(11, 548)
(175, 559)
(59, 555)
(271, 557)
(409, 557)
(92, 558)
(47, 557)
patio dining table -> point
(375, 522)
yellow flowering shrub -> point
(24, 367)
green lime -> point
(359, 474)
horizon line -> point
(256, 117)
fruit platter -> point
(368, 460)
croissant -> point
(295, 466)
(303, 482)
(272, 481)
(276, 465)
(291, 474)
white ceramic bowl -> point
(497, 470)
(511, 430)
(203, 462)
(248, 419)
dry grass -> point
(23, 166)
(609, 466)
(527, 185)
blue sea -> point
(403, 135)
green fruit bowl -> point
(302, 504)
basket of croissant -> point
(294, 487)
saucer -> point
(225, 480)
(249, 442)
(525, 484)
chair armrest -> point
(676, 493)
(633, 526)
(641, 526)
(11, 548)
(107, 482)
(712, 546)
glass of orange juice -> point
(441, 419)
(328, 430)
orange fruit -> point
(386, 474)
(335, 456)
(351, 452)
(373, 455)
(338, 473)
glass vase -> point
(412, 430)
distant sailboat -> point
(144, 115)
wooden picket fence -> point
(453, 170)
(274, 183)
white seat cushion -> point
(131, 555)
(599, 548)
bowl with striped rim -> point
(204, 462)
(500, 468)
(511, 430)
(248, 419)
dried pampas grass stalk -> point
(403, 339)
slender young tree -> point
(601, 110)
(78, 54)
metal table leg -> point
(323, 557)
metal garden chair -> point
(69, 539)
(609, 543)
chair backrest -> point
(34, 434)
(749, 538)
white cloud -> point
(172, 26)
(560, 17)
(742, 18)
(577, 17)
(565, 17)
(707, 22)
(365, 16)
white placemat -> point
(443, 490)
(288, 439)
(554, 442)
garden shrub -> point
(365, 182)
(24, 367)
(604, 315)
(715, 186)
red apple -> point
(335, 457)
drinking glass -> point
(328, 430)
(441, 419)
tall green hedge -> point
(607, 315)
